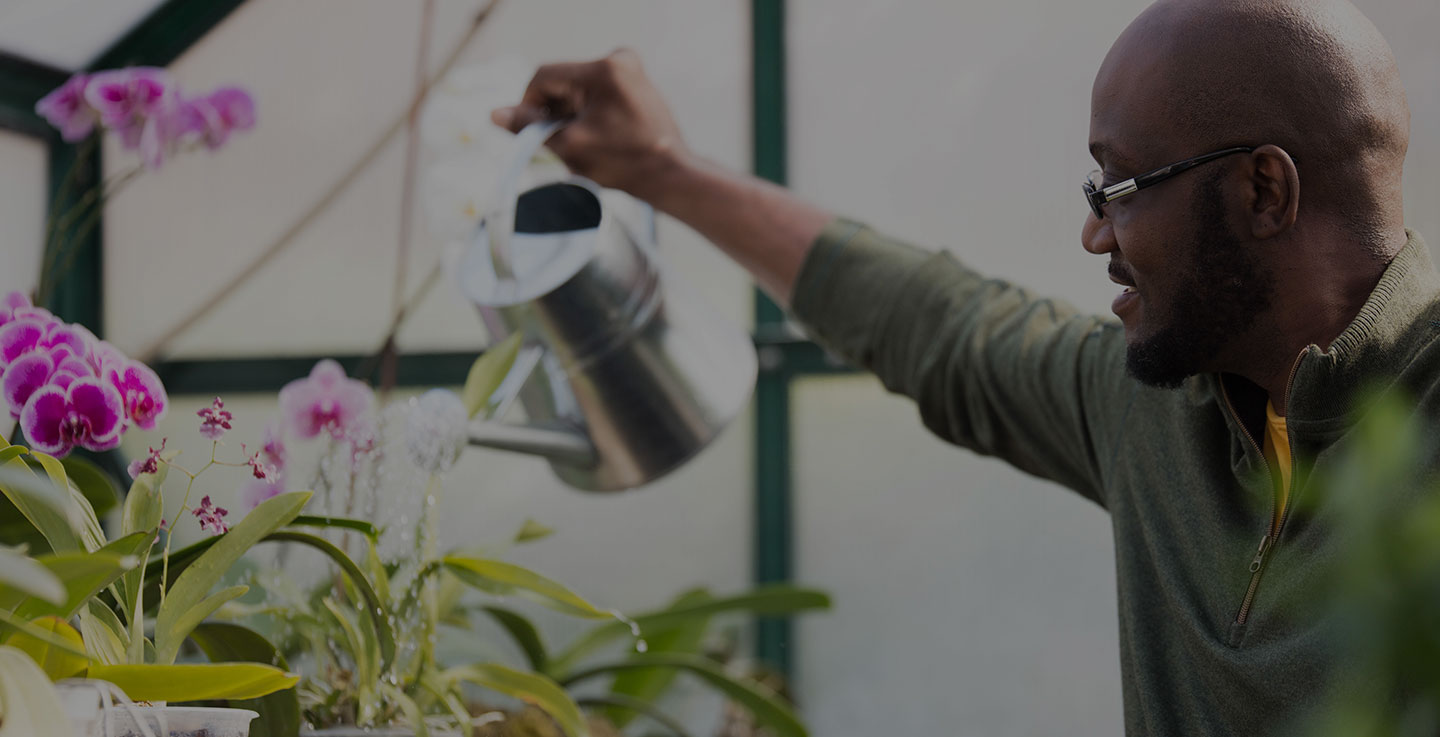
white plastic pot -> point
(97, 709)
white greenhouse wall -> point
(24, 180)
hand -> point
(621, 134)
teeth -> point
(1128, 290)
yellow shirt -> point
(1277, 452)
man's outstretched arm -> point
(623, 136)
(991, 367)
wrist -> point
(667, 181)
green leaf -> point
(29, 702)
(414, 715)
(232, 643)
(143, 511)
(195, 681)
(84, 575)
(54, 645)
(166, 646)
(485, 574)
(195, 583)
(144, 505)
(647, 684)
(488, 371)
(99, 487)
(105, 637)
(21, 575)
(532, 688)
(82, 516)
(364, 651)
(344, 523)
(524, 634)
(45, 506)
(532, 531)
(374, 605)
(773, 600)
(767, 708)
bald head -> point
(1311, 76)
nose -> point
(1097, 235)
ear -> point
(1273, 195)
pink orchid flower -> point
(214, 117)
(150, 464)
(325, 401)
(212, 518)
(30, 372)
(87, 413)
(11, 303)
(259, 468)
(67, 109)
(274, 447)
(215, 420)
(143, 394)
(18, 337)
(139, 104)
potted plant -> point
(131, 603)
(352, 681)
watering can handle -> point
(500, 221)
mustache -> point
(1121, 273)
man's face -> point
(1192, 287)
(1195, 293)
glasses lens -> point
(1092, 188)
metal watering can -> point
(622, 381)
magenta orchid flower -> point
(87, 413)
(215, 420)
(258, 467)
(150, 464)
(143, 394)
(212, 518)
(67, 109)
(326, 401)
(36, 369)
(126, 100)
(19, 337)
(214, 117)
(14, 301)
(274, 447)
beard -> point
(1220, 298)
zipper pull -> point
(1259, 554)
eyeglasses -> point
(1099, 196)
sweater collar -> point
(1399, 320)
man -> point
(1249, 204)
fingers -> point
(561, 90)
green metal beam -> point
(169, 31)
(22, 84)
(79, 260)
(255, 375)
(772, 558)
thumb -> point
(515, 118)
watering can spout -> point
(558, 444)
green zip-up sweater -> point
(1206, 646)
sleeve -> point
(992, 367)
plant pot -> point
(179, 721)
(94, 711)
(373, 732)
